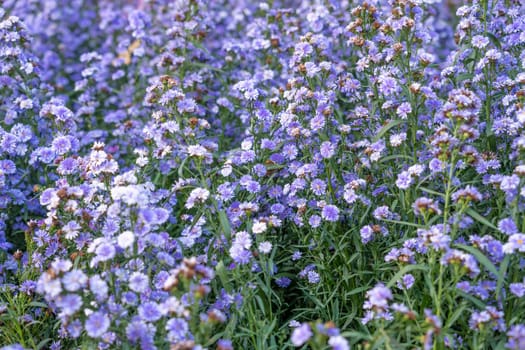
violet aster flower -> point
(150, 312)
(74, 280)
(97, 324)
(338, 342)
(138, 282)
(330, 213)
(69, 303)
(177, 329)
(516, 337)
(507, 226)
(327, 149)
(283, 282)
(301, 334)
(518, 289)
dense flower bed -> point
(197, 174)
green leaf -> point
(428, 190)
(225, 224)
(480, 218)
(390, 125)
(43, 343)
(469, 297)
(395, 156)
(502, 272)
(404, 223)
(221, 272)
(453, 318)
(180, 171)
(38, 304)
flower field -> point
(280, 174)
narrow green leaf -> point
(390, 125)
(480, 218)
(221, 272)
(502, 272)
(469, 297)
(43, 343)
(453, 318)
(225, 224)
(428, 190)
(38, 304)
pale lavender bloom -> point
(74, 280)
(516, 242)
(265, 247)
(338, 342)
(507, 226)
(403, 110)
(327, 149)
(480, 41)
(301, 334)
(406, 282)
(138, 282)
(404, 180)
(330, 213)
(150, 312)
(69, 303)
(177, 329)
(105, 252)
(98, 287)
(518, 289)
(97, 324)
(314, 221)
(516, 336)
(313, 277)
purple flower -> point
(404, 180)
(403, 110)
(301, 334)
(314, 221)
(378, 298)
(69, 304)
(330, 213)
(327, 149)
(150, 312)
(507, 226)
(137, 330)
(518, 289)
(177, 329)
(74, 280)
(138, 282)
(313, 277)
(283, 282)
(406, 282)
(338, 342)
(98, 287)
(105, 252)
(97, 324)
(516, 337)
(318, 187)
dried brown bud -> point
(18, 255)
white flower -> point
(197, 151)
(126, 239)
(198, 195)
(265, 247)
(259, 227)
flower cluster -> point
(199, 174)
